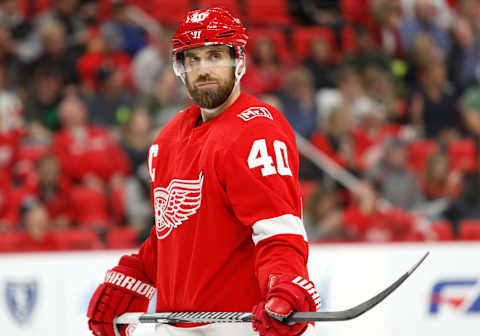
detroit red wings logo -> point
(176, 203)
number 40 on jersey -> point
(259, 157)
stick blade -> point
(358, 310)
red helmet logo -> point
(207, 27)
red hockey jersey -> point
(227, 208)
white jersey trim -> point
(286, 224)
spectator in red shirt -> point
(37, 235)
(92, 160)
(53, 190)
(9, 208)
(437, 180)
(366, 219)
(104, 50)
(371, 134)
(335, 139)
(86, 151)
(386, 31)
(266, 73)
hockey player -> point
(228, 232)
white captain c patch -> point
(254, 112)
(176, 203)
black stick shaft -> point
(238, 317)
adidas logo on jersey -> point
(254, 112)
(130, 283)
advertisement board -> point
(48, 293)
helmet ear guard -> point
(240, 65)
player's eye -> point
(216, 56)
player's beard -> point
(211, 98)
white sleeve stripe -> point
(286, 224)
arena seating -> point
(122, 237)
(271, 12)
(469, 229)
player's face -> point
(209, 75)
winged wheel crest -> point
(176, 203)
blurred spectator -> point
(103, 51)
(365, 219)
(9, 208)
(322, 64)
(371, 134)
(470, 11)
(265, 71)
(366, 52)
(335, 138)
(10, 65)
(394, 181)
(44, 95)
(470, 106)
(92, 160)
(56, 52)
(386, 33)
(37, 235)
(150, 61)
(167, 98)
(433, 109)
(65, 12)
(443, 10)
(299, 103)
(53, 190)
(380, 87)
(464, 60)
(437, 180)
(311, 12)
(323, 218)
(11, 134)
(467, 205)
(136, 140)
(14, 20)
(349, 89)
(111, 105)
(88, 16)
(422, 52)
(86, 153)
(132, 35)
(424, 21)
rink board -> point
(48, 293)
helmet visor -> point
(195, 60)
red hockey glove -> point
(289, 293)
(126, 289)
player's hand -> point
(126, 289)
(289, 293)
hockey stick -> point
(235, 317)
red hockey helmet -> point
(206, 27)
